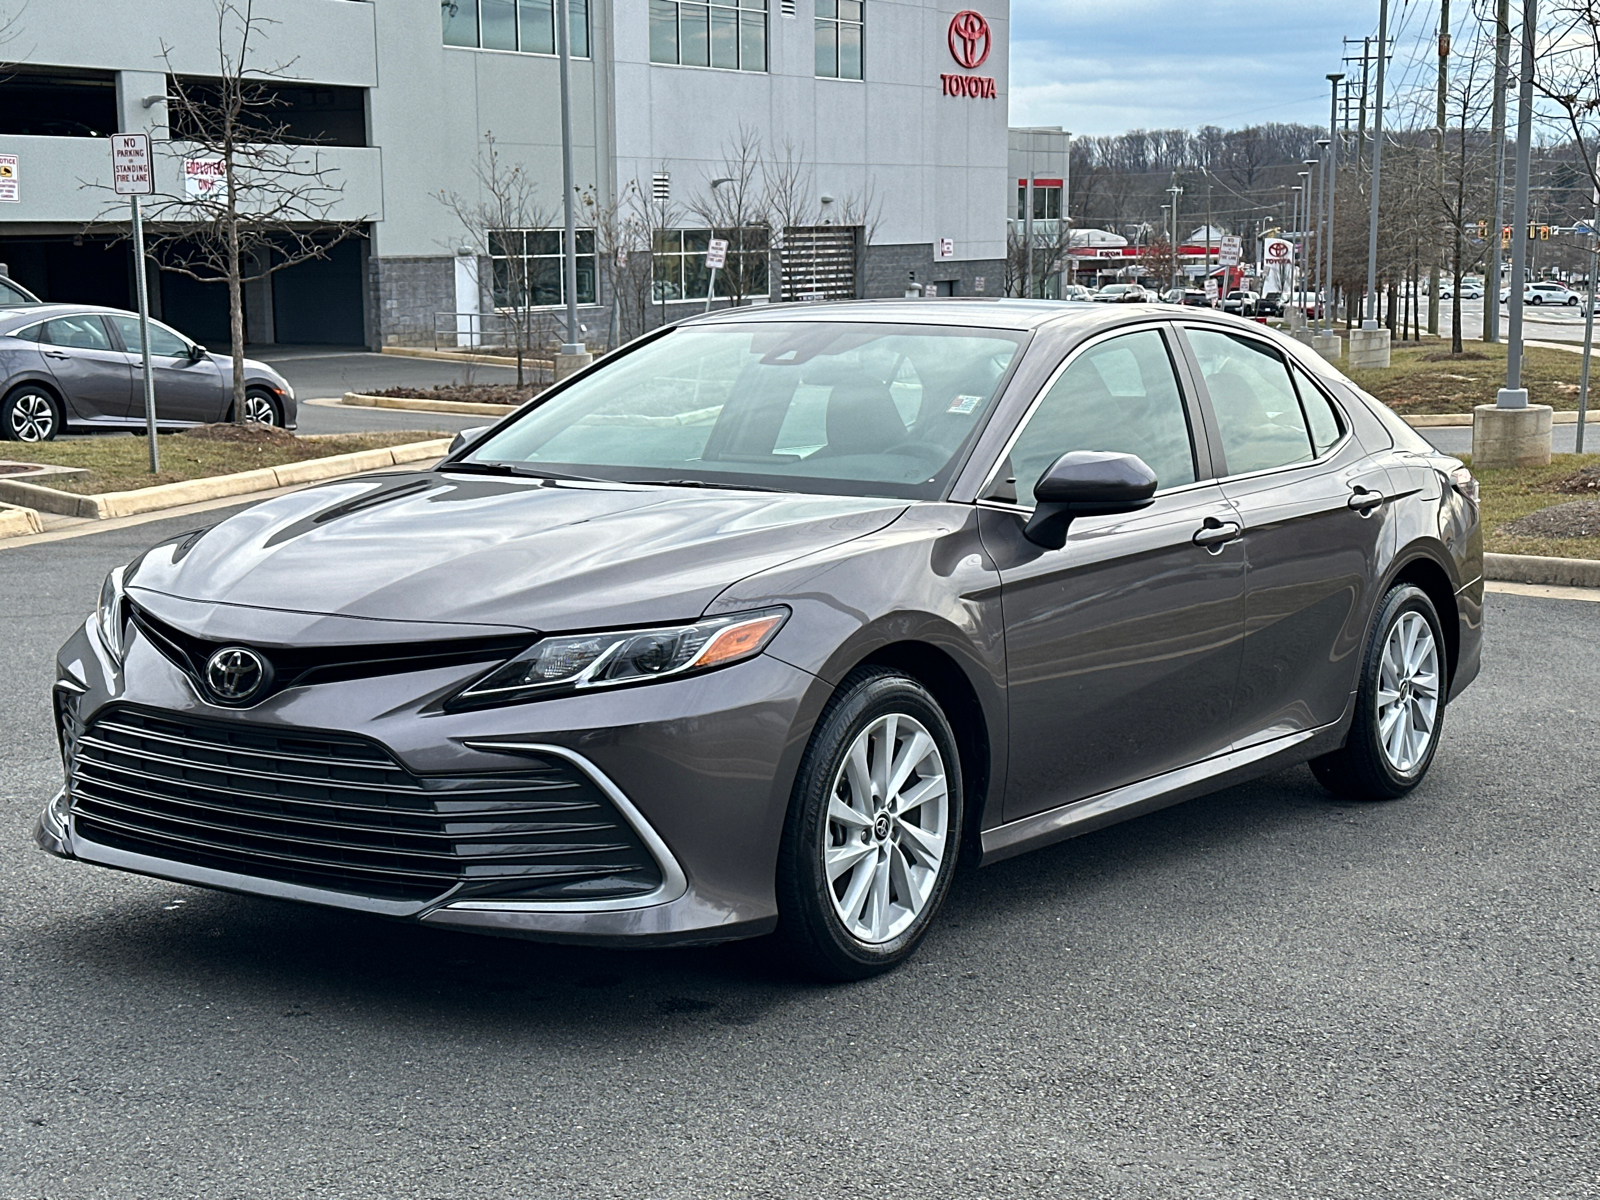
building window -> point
(526, 266)
(1046, 201)
(680, 264)
(528, 26)
(839, 39)
(727, 34)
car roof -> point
(13, 315)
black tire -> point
(1361, 769)
(30, 413)
(263, 408)
(809, 927)
(1572, 302)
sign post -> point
(716, 257)
(132, 176)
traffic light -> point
(1541, 232)
(1483, 230)
(1544, 233)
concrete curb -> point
(484, 360)
(1532, 568)
(189, 491)
(1464, 420)
(440, 406)
(16, 521)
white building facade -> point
(878, 124)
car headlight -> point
(585, 661)
(109, 617)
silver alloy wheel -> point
(1408, 692)
(33, 417)
(884, 839)
(258, 410)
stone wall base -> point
(1369, 348)
(1329, 345)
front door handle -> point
(1214, 533)
(1364, 500)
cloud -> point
(1095, 67)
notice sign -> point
(130, 164)
(944, 248)
(8, 178)
(1229, 250)
(717, 253)
(201, 176)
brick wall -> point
(408, 292)
(887, 271)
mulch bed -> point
(1576, 519)
(468, 393)
(1446, 356)
(1581, 483)
(242, 435)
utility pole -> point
(1313, 229)
(1361, 115)
(1514, 395)
(1333, 179)
(1444, 80)
(1324, 230)
(1027, 228)
(1176, 192)
(1370, 319)
(1502, 68)
(1588, 320)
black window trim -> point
(1198, 437)
(1214, 429)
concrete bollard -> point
(571, 364)
(1329, 345)
(1369, 348)
(1510, 437)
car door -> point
(1314, 509)
(187, 388)
(1122, 647)
(91, 370)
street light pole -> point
(1502, 68)
(1176, 191)
(1325, 228)
(1333, 179)
(1369, 319)
(1297, 271)
(569, 255)
(1588, 320)
(1514, 395)
(1313, 231)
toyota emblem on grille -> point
(235, 674)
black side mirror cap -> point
(466, 437)
(1086, 483)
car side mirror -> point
(196, 351)
(466, 437)
(1086, 483)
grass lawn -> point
(1517, 491)
(117, 462)
(1423, 378)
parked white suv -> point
(1545, 293)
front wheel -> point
(1572, 302)
(261, 409)
(873, 830)
(1399, 705)
(29, 414)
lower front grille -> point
(332, 811)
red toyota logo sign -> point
(969, 39)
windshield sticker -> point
(964, 404)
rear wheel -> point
(1399, 706)
(29, 414)
(873, 829)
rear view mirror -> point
(1086, 483)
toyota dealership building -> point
(883, 122)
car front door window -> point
(1258, 412)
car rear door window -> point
(81, 332)
(1119, 395)
(1258, 412)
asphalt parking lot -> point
(1259, 994)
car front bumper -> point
(701, 768)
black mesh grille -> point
(333, 811)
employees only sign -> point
(201, 176)
(130, 164)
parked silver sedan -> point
(78, 366)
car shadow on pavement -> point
(252, 952)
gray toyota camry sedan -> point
(764, 622)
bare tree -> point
(735, 207)
(262, 199)
(1567, 74)
(498, 222)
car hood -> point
(225, 363)
(441, 548)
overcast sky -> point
(1103, 66)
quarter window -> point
(730, 35)
(839, 26)
(1258, 411)
(1321, 416)
(1121, 395)
(528, 26)
(526, 265)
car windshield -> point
(809, 406)
(10, 294)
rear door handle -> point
(55, 354)
(1214, 533)
(1364, 500)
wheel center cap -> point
(880, 827)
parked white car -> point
(1470, 290)
(1545, 293)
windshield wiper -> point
(522, 472)
(702, 483)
